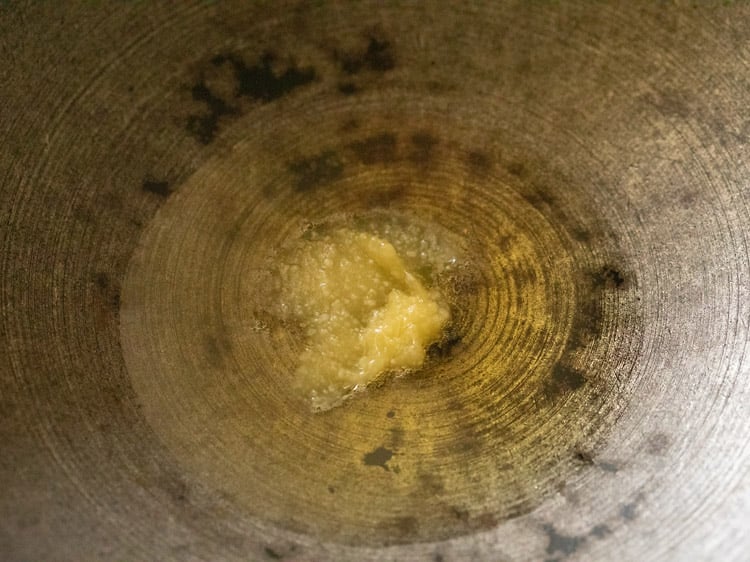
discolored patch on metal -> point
(670, 103)
(516, 169)
(540, 197)
(157, 187)
(446, 347)
(607, 466)
(479, 162)
(600, 531)
(563, 379)
(175, 488)
(628, 511)
(261, 82)
(558, 543)
(108, 291)
(587, 459)
(348, 88)
(459, 513)
(432, 484)
(378, 457)
(580, 235)
(423, 146)
(378, 149)
(587, 325)
(386, 196)
(610, 278)
(317, 170)
(217, 348)
(485, 521)
(584, 458)
(349, 125)
(272, 554)
(204, 125)
(397, 437)
(657, 444)
(377, 56)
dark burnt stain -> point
(581, 235)
(423, 144)
(657, 444)
(431, 483)
(459, 514)
(175, 488)
(378, 149)
(27, 521)
(259, 82)
(587, 325)
(563, 544)
(608, 466)
(465, 444)
(485, 521)
(455, 405)
(610, 278)
(446, 347)
(331, 490)
(543, 194)
(391, 414)
(505, 243)
(437, 557)
(584, 457)
(689, 199)
(102, 280)
(397, 437)
(670, 103)
(407, 526)
(563, 379)
(600, 531)
(479, 162)
(438, 87)
(83, 216)
(399, 529)
(108, 291)
(160, 188)
(628, 511)
(516, 169)
(378, 457)
(204, 126)
(317, 170)
(385, 197)
(272, 554)
(348, 88)
(527, 276)
(730, 133)
(349, 125)
(216, 349)
(376, 57)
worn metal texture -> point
(592, 400)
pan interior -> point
(493, 422)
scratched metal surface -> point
(592, 401)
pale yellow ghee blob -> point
(362, 312)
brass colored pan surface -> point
(591, 399)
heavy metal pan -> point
(592, 401)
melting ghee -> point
(363, 309)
